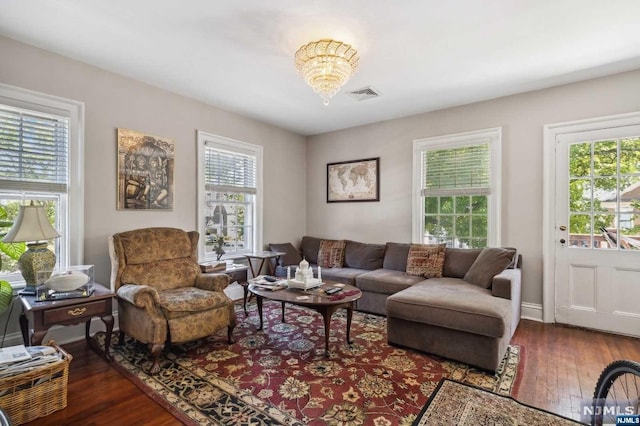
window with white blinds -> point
(229, 195)
(229, 171)
(33, 150)
(457, 189)
(454, 171)
(40, 155)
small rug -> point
(455, 403)
(279, 375)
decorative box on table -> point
(36, 393)
(69, 283)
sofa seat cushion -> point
(180, 302)
(452, 303)
(386, 281)
(342, 275)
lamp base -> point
(36, 259)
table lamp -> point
(33, 225)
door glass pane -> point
(580, 230)
(580, 159)
(605, 231)
(605, 158)
(630, 155)
(580, 195)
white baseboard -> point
(63, 334)
(531, 311)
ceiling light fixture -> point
(326, 65)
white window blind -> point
(227, 171)
(456, 171)
(33, 150)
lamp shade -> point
(31, 224)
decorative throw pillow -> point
(426, 260)
(331, 253)
(489, 263)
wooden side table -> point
(37, 317)
(263, 256)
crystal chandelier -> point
(326, 65)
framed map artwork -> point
(145, 171)
(357, 180)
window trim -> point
(73, 249)
(494, 137)
(235, 146)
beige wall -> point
(112, 101)
(521, 118)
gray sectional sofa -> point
(471, 322)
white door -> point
(597, 229)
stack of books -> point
(216, 266)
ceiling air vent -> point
(364, 93)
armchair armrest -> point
(141, 296)
(212, 282)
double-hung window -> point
(40, 152)
(456, 195)
(229, 196)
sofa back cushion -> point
(363, 256)
(310, 247)
(457, 261)
(490, 262)
(291, 254)
(395, 256)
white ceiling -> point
(422, 55)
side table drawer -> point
(67, 313)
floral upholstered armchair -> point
(162, 295)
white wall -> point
(112, 101)
(521, 118)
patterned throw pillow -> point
(426, 260)
(331, 253)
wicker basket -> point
(36, 393)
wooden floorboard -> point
(562, 365)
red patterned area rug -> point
(280, 376)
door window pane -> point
(604, 202)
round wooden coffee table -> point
(314, 299)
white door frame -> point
(551, 132)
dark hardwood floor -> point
(562, 365)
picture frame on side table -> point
(146, 166)
(355, 180)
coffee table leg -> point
(259, 303)
(327, 313)
(349, 316)
(283, 312)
